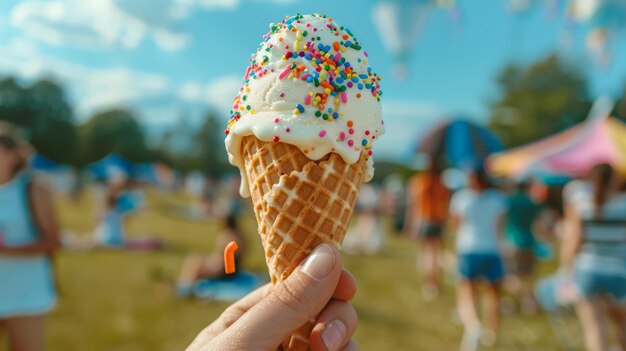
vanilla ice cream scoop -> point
(309, 85)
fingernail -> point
(320, 262)
(333, 335)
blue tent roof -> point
(110, 165)
(42, 163)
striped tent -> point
(573, 152)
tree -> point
(113, 131)
(44, 113)
(199, 149)
(538, 100)
(210, 140)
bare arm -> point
(47, 226)
(572, 237)
(454, 222)
(408, 220)
(501, 225)
(541, 226)
(408, 215)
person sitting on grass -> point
(477, 218)
(198, 267)
(29, 235)
(121, 200)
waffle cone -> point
(299, 203)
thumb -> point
(300, 298)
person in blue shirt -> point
(29, 235)
(524, 212)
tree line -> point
(532, 102)
(43, 112)
(541, 99)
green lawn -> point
(115, 300)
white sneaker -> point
(488, 338)
(470, 340)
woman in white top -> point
(28, 236)
(594, 253)
(477, 217)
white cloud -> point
(219, 93)
(191, 91)
(99, 23)
(210, 4)
(409, 108)
(105, 24)
(283, 1)
(91, 89)
(114, 87)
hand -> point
(266, 317)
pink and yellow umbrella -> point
(516, 162)
(603, 141)
(573, 152)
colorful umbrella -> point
(459, 143)
(603, 141)
(526, 159)
(573, 152)
(516, 162)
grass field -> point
(117, 300)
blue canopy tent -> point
(43, 164)
(116, 165)
(145, 172)
(110, 166)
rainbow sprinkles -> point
(311, 79)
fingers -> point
(290, 304)
(230, 316)
(346, 288)
(250, 300)
(334, 327)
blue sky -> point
(171, 59)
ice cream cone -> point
(301, 131)
(299, 203)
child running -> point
(477, 218)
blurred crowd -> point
(489, 235)
(483, 235)
(31, 235)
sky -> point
(171, 60)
